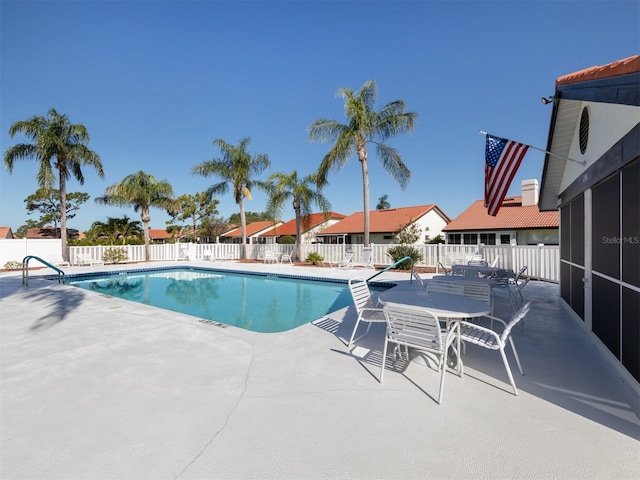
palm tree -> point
(383, 203)
(115, 228)
(283, 187)
(55, 140)
(142, 191)
(235, 168)
(364, 126)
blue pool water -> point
(261, 303)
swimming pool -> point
(265, 303)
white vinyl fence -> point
(542, 261)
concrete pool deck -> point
(98, 387)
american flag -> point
(502, 159)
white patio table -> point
(482, 271)
(447, 307)
(460, 278)
(444, 305)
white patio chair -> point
(478, 263)
(445, 286)
(287, 257)
(270, 257)
(418, 328)
(463, 271)
(366, 307)
(488, 338)
(479, 291)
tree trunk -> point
(63, 216)
(362, 156)
(146, 218)
(298, 232)
(243, 227)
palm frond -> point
(393, 164)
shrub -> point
(12, 265)
(115, 255)
(437, 239)
(286, 240)
(314, 258)
(401, 251)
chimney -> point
(529, 192)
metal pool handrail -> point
(25, 269)
(391, 266)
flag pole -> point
(583, 162)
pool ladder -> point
(25, 269)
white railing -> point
(542, 261)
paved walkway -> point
(97, 387)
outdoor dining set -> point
(438, 317)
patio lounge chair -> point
(487, 338)
(87, 259)
(346, 261)
(58, 262)
(182, 255)
(366, 259)
(418, 328)
(366, 307)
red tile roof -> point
(50, 232)
(252, 228)
(512, 215)
(381, 221)
(621, 67)
(5, 232)
(159, 234)
(315, 219)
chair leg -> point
(443, 362)
(515, 354)
(506, 366)
(384, 357)
(355, 329)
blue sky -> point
(155, 82)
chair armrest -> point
(475, 326)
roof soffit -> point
(568, 115)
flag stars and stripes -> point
(502, 159)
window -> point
(470, 238)
(505, 239)
(488, 238)
(454, 238)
